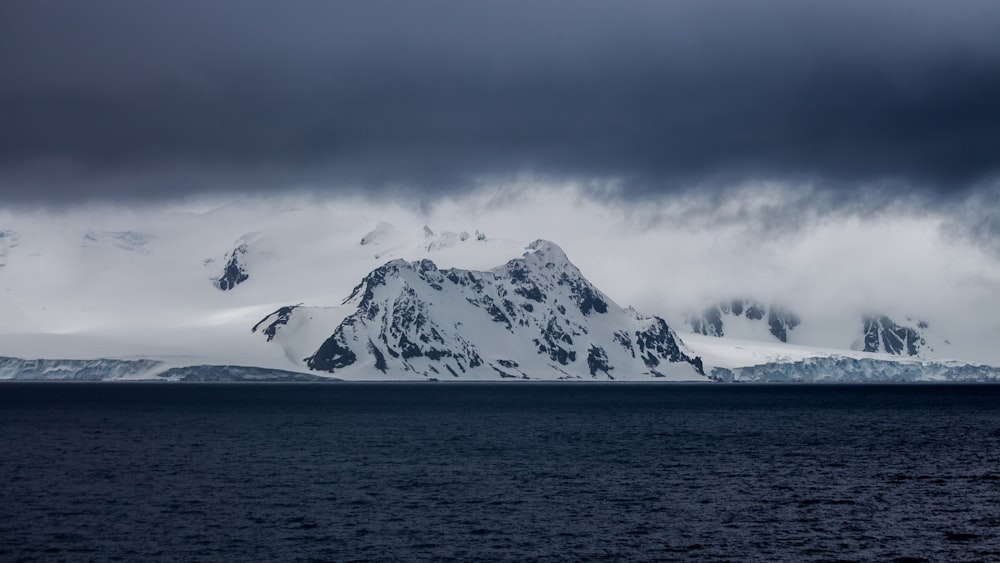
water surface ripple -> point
(542, 472)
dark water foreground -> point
(501, 472)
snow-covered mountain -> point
(236, 267)
(535, 317)
(882, 334)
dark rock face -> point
(659, 341)
(597, 360)
(332, 354)
(780, 322)
(624, 341)
(552, 339)
(379, 357)
(532, 293)
(755, 311)
(235, 271)
(273, 321)
(882, 334)
(586, 298)
(711, 321)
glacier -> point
(18, 369)
(841, 369)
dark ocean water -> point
(456, 472)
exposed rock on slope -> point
(882, 334)
(236, 269)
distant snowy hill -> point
(535, 317)
(748, 319)
(882, 334)
(744, 318)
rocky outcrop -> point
(882, 334)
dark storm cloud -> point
(155, 99)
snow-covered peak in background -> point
(236, 267)
(391, 242)
(881, 334)
(548, 254)
(744, 318)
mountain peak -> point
(535, 316)
(549, 250)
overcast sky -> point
(136, 101)
(834, 156)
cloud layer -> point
(122, 100)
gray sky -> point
(135, 100)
